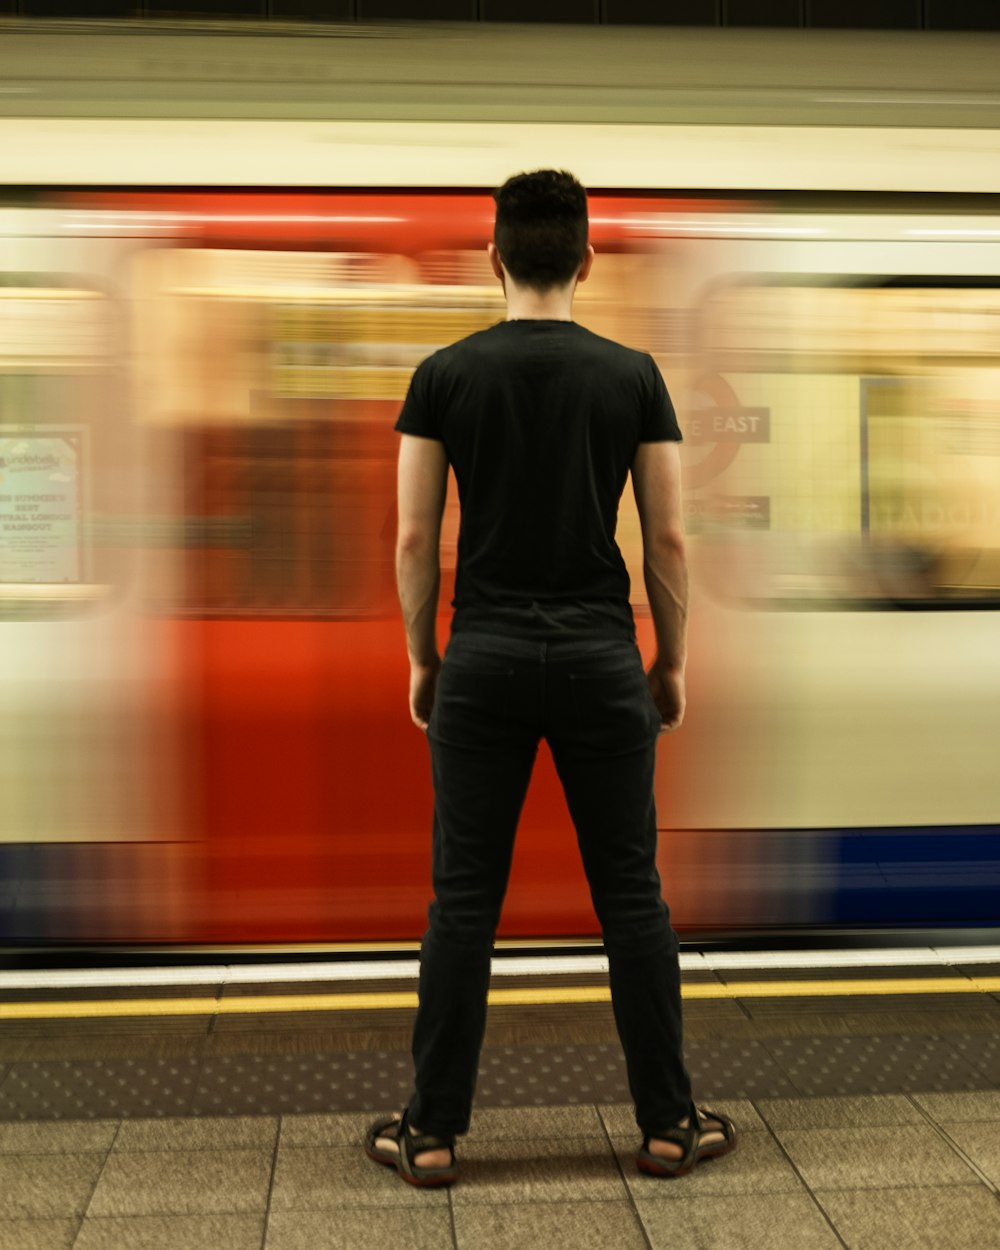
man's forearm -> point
(418, 578)
(665, 573)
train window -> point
(271, 381)
(846, 444)
(64, 448)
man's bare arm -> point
(656, 480)
(422, 486)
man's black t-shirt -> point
(540, 421)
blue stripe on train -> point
(933, 875)
(921, 876)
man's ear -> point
(495, 262)
(588, 263)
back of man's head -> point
(541, 228)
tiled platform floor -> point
(868, 1122)
(872, 1172)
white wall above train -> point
(266, 153)
(463, 105)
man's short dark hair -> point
(541, 227)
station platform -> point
(222, 1107)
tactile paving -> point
(517, 1076)
(982, 1051)
(737, 1068)
(282, 1084)
(83, 1089)
(877, 1065)
(510, 1076)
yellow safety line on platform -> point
(249, 1004)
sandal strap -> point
(686, 1138)
(384, 1128)
(689, 1138)
(725, 1125)
(411, 1145)
(425, 1141)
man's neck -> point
(526, 304)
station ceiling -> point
(833, 14)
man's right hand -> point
(667, 688)
(423, 685)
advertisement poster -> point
(40, 524)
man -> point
(542, 422)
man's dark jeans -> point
(496, 697)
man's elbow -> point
(666, 542)
(415, 543)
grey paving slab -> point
(744, 1222)
(346, 1129)
(38, 1234)
(77, 1046)
(619, 1118)
(979, 1105)
(189, 1027)
(554, 1225)
(872, 1065)
(398, 1228)
(172, 1232)
(491, 1124)
(897, 1004)
(204, 1133)
(44, 1186)
(58, 1137)
(981, 1142)
(102, 1089)
(960, 1218)
(924, 1022)
(488, 1124)
(573, 1169)
(327, 1178)
(756, 1166)
(844, 1112)
(874, 1158)
(235, 1022)
(159, 1182)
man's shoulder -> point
(626, 357)
(480, 341)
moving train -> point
(223, 254)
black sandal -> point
(409, 1146)
(689, 1141)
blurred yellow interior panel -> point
(934, 481)
(864, 329)
(856, 433)
(809, 469)
(54, 328)
(223, 333)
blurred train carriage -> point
(205, 735)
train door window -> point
(848, 448)
(66, 484)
